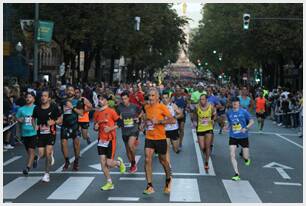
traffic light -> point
(246, 21)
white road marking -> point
(100, 172)
(184, 190)
(18, 186)
(282, 172)
(287, 134)
(288, 183)
(296, 144)
(133, 178)
(71, 189)
(123, 198)
(11, 160)
(241, 191)
(211, 170)
(81, 153)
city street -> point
(275, 174)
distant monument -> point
(183, 68)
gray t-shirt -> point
(128, 114)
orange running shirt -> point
(159, 112)
(260, 105)
(84, 117)
(106, 117)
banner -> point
(45, 30)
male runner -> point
(204, 117)
(129, 115)
(83, 120)
(44, 119)
(172, 129)
(70, 127)
(221, 111)
(155, 119)
(260, 110)
(105, 119)
(239, 122)
(28, 132)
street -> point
(275, 174)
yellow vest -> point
(204, 119)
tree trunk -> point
(98, 66)
(111, 70)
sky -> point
(193, 12)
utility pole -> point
(35, 65)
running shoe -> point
(240, 154)
(26, 171)
(133, 169)
(66, 166)
(108, 186)
(247, 162)
(122, 167)
(167, 188)
(149, 190)
(8, 146)
(88, 141)
(236, 177)
(75, 165)
(46, 178)
(35, 161)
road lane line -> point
(18, 186)
(288, 183)
(11, 160)
(99, 172)
(211, 170)
(298, 145)
(184, 190)
(241, 191)
(71, 189)
(133, 178)
(287, 134)
(81, 153)
(123, 198)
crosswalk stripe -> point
(241, 191)
(184, 190)
(11, 160)
(288, 183)
(18, 186)
(71, 189)
(123, 198)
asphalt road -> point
(275, 172)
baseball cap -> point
(235, 99)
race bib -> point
(28, 121)
(128, 122)
(67, 110)
(205, 121)
(150, 125)
(236, 128)
(103, 143)
(44, 129)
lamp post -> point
(260, 70)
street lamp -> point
(206, 63)
(214, 51)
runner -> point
(204, 117)
(44, 119)
(155, 119)
(83, 120)
(28, 132)
(129, 115)
(105, 119)
(245, 100)
(260, 110)
(172, 129)
(239, 122)
(221, 111)
(181, 100)
(70, 128)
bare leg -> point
(148, 164)
(233, 158)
